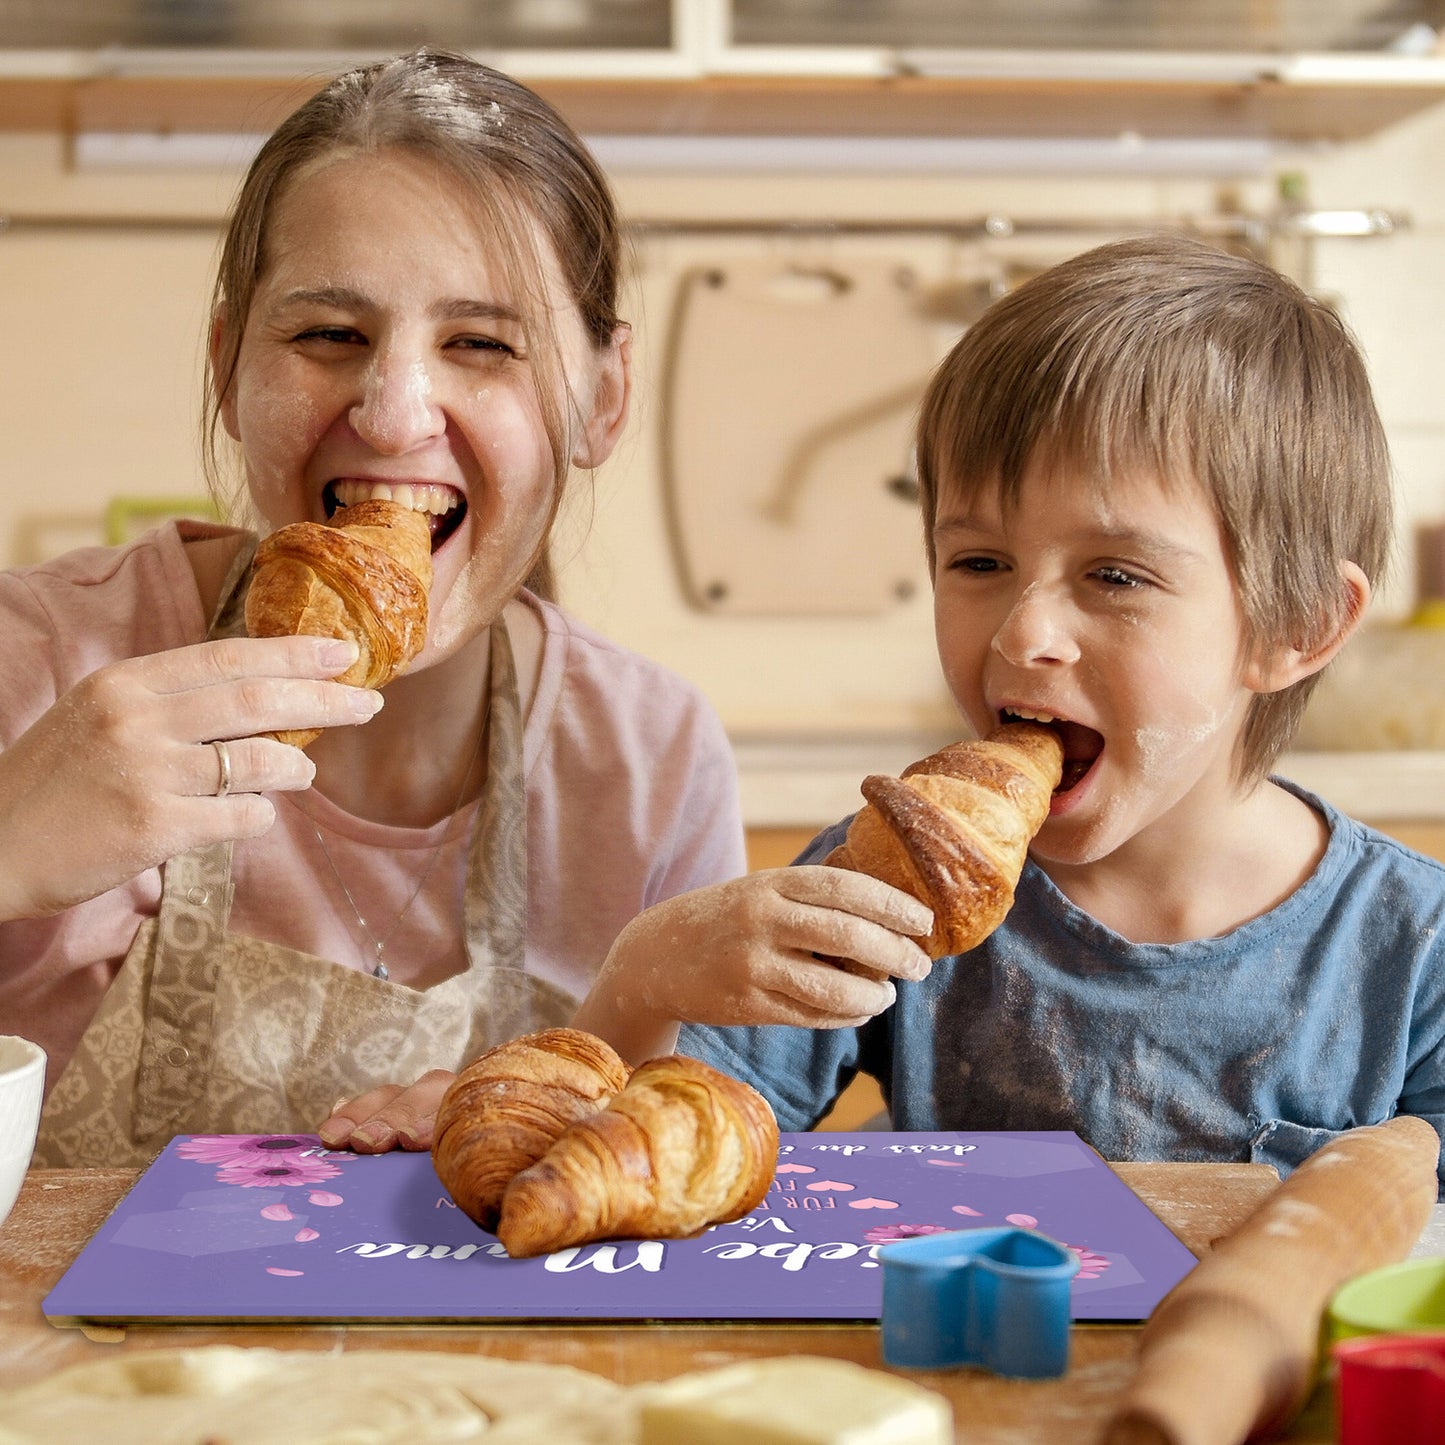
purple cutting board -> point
(270, 1227)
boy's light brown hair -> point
(1166, 357)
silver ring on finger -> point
(223, 758)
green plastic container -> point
(1400, 1299)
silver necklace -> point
(379, 944)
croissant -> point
(955, 829)
(508, 1107)
(681, 1147)
(364, 575)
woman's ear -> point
(214, 349)
(1277, 668)
(611, 396)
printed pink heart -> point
(796, 1169)
(1023, 1221)
(831, 1184)
(871, 1203)
(964, 1209)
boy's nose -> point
(1036, 632)
(396, 410)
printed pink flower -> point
(266, 1173)
(228, 1149)
(888, 1233)
(1091, 1265)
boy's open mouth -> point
(1082, 745)
(444, 506)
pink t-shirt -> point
(631, 798)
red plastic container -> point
(1390, 1389)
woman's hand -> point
(120, 774)
(394, 1116)
(813, 946)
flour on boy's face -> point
(1110, 611)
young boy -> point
(1156, 496)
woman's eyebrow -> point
(340, 298)
(451, 308)
(463, 308)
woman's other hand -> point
(394, 1116)
(124, 772)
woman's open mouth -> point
(444, 506)
(1082, 745)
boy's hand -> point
(394, 1116)
(813, 946)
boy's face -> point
(1113, 609)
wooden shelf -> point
(1279, 108)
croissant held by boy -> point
(550, 1143)
(954, 830)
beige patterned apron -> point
(205, 1031)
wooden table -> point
(59, 1210)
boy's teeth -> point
(1025, 715)
(422, 497)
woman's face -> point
(385, 356)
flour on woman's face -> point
(385, 350)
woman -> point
(212, 931)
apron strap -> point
(496, 891)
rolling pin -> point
(1229, 1354)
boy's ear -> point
(1277, 668)
(228, 402)
(611, 396)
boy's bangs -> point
(1097, 422)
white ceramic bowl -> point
(22, 1082)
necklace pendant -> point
(380, 971)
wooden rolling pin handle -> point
(1230, 1353)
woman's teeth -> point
(420, 497)
(1021, 714)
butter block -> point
(792, 1400)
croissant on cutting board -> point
(510, 1105)
(364, 575)
(955, 829)
(547, 1142)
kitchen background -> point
(822, 193)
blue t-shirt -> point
(1261, 1045)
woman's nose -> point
(396, 410)
(1036, 630)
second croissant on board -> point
(954, 830)
(365, 575)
